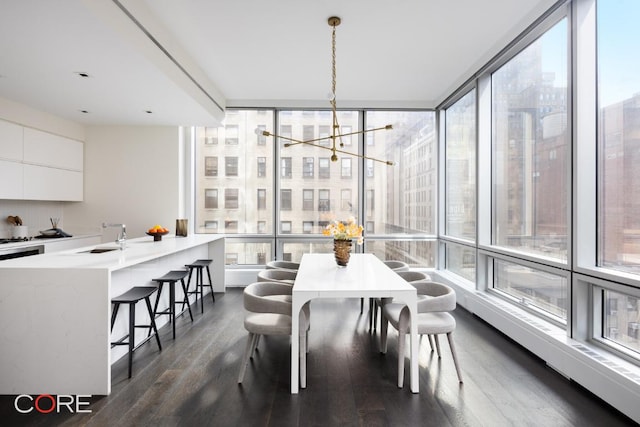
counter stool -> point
(198, 266)
(172, 278)
(131, 297)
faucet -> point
(121, 240)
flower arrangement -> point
(341, 230)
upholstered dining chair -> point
(283, 265)
(269, 316)
(276, 275)
(375, 303)
(395, 266)
(433, 319)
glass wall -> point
(618, 136)
(530, 147)
(400, 200)
(289, 188)
(460, 168)
(234, 175)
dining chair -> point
(276, 275)
(283, 265)
(376, 303)
(433, 318)
(395, 266)
(265, 315)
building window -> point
(262, 199)
(285, 131)
(369, 166)
(231, 258)
(307, 227)
(211, 198)
(285, 227)
(231, 135)
(231, 166)
(211, 226)
(369, 227)
(324, 203)
(345, 169)
(285, 167)
(307, 200)
(231, 226)
(307, 167)
(210, 136)
(324, 170)
(231, 198)
(262, 227)
(323, 135)
(285, 199)
(260, 138)
(346, 139)
(345, 199)
(370, 137)
(308, 132)
(370, 202)
(210, 166)
(262, 167)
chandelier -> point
(336, 135)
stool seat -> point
(131, 297)
(200, 265)
(171, 278)
(134, 294)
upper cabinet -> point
(37, 165)
(11, 141)
(42, 148)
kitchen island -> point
(55, 310)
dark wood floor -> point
(193, 381)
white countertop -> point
(137, 251)
(44, 240)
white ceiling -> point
(185, 60)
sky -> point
(618, 50)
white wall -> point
(131, 176)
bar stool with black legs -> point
(172, 278)
(199, 266)
(131, 297)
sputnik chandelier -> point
(335, 135)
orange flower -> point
(348, 230)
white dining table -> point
(365, 276)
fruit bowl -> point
(157, 236)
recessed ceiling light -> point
(82, 74)
(84, 111)
(148, 111)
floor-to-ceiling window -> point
(530, 163)
(274, 196)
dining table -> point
(365, 276)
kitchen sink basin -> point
(99, 250)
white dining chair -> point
(276, 275)
(283, 265)
(395, 266)
(433, 318)
(268, 316)
(375, 303)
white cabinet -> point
(36, 165)
(42, 148)
(11, 180)
(46, 183)
(10, 141)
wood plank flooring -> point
(193, 381)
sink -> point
(98, 250)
